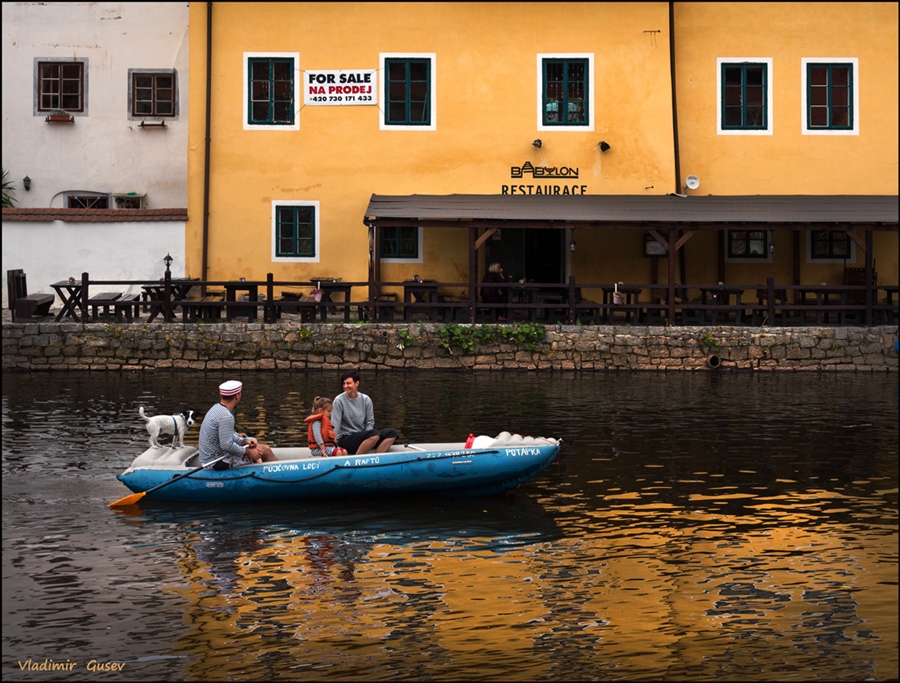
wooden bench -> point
(104, 300)
(208, 308)
(587, 309)
(34, 305)
(385, 305)
(129, 306)
(21, 303)
(291, 302)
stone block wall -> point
(48, 346)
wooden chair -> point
(857, 276)
(857, 297)
(22, 304)
(591, 312)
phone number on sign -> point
(342, 98)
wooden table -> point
(629, 294)
(716, 300)
(779, 300)
(525, 295)
(329, 287)
(422, 292)
(824, 298)
(551, 304)
(231, 306)
(69, 292)
(104, 300)
(155, 295)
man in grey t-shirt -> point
(354, 420)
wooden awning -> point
(799, 212)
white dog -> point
(177, 425)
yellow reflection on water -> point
(716, 594)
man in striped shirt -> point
(353, 419)
(218, 438)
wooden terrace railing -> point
(174, 300)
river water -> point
(696, 526)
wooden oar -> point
(135, 497)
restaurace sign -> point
(340, 87)
(543, 173)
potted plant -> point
(9, 199)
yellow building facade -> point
(306, 121)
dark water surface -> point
(696, 527)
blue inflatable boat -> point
(489, 466)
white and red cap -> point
(230, 388)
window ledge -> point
(152, 124)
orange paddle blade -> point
(128, 500)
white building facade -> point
(95, 116)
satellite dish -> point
(692, 182)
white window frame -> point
(274, 228)
(770, 237)
(382, 58)
(589, 56)
(804, 61)
(849, 260)
(298, 90)
(770, 107)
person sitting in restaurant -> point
(218, 437)
(495, 295)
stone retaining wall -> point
(289, 346)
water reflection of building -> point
(651, 588)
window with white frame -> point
(152, 92)
(409, 96)
(830, 246)
(270, 91)
(747, 246)
(60, 85)
(830, 96)
(744, 87)
(295, 231)
(565, 94)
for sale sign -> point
(353, 86)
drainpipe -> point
(674, 97)
(678, 188)
(205, 257)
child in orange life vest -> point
(320, 433)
